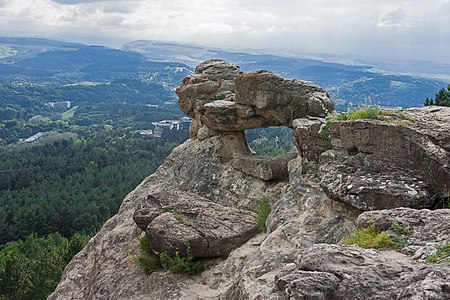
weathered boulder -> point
(212, 80)
(218, 95)
(174, 221)
(379, 165)
(298, 284)
(282, 100)
(228, 116)
(370, 181)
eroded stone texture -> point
(265, 167)
(282, 99)
(380, 165)
(422, 230)
(177, 220)
(221, 97)
(349, 272)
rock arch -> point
(225, 101)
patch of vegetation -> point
(371, 238)
(180, 218)
(368, 111)
(442, 98)
(69, 114)
(398, 115)
(31, 268)
(442, 255)
(442, 203)
(271, 141)
(167, 209)
(264, 210)
(179, 264)
(401, 229)
(147, 260)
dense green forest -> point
(56, 192)
(31, 269)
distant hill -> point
(345, 83)
(148, 72)
(41, 70)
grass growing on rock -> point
(147, 260)
(371, 238)
(180, 218)
(150, 262)
(179, 264)
(441, 256)
(368, 111)
(264, 210)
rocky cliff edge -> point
(363, 172)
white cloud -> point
(367, 28)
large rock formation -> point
(207, 190)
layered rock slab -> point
(356, 273)
(175, 221)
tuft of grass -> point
(370, 238)
(442, 255)
(167, 209)
(368, 111)
(179, 264)
(401, 229)
(180, 218)
(264, 210)
(147, 260)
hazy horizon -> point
(407, 30)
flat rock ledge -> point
(174, 221)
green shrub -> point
(178, 264)
(441, 256)
(264, 210)
(147, 260)
(370, 238)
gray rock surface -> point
(221, 97)
(380, 165)
(265, 167)
(423, 230)
(175, 220)
(349, 272)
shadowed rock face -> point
(206, 192)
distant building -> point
(61, 104)
(35, 137)
(161, 126)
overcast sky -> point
(411, 29)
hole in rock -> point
(270, 141)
